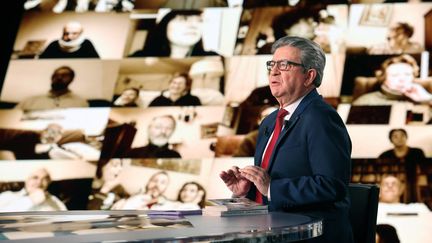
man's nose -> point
(165, 132)
(274, 70)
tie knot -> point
(282, 113)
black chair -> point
(363, 212)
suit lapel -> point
(292, 122)
(288, 127)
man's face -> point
(287, 84)
(157, 185)
(399, 77)
(52, 133)
(398, 138)
(71, 32)
(61, 79)
(37, 180)
(160, 131)
(390, 190)
(185, 30)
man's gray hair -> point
(312, 55)
(163, 116)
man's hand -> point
(37, 196)
(418, 94)
(109, 185)
(257, 176)
(233, 179)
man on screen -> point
(59, 95)
(33, 197)
(160, 130)
(71, 45)
(303, 152)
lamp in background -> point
(206, 75)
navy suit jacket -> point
(310, 166)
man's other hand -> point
(257, 176)
(233, 179)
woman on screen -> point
(397, 84)
(178, 93)
(177, 35)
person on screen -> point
(398, 41)
(178, 93)
(407, 159)
(71, 45)
(106, 187)
(191, 196)
(160, 130)
(44, 144)
(128, 98)
(396, 78)
(303, 152)
(177, 35)
(153, 194)
(59, 96)
(53, 142)
(312, 23)
(33, 197)
(391, 191)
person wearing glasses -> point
(303, 151)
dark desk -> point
(274, 227)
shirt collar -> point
(67, 94)
(292, 107)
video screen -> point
(99, 98)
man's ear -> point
(310, 77)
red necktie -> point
(268, 152)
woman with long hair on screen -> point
(177, 35)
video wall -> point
(140, 104)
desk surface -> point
(274, 227)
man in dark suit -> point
(306, 169)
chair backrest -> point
(363, 212)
